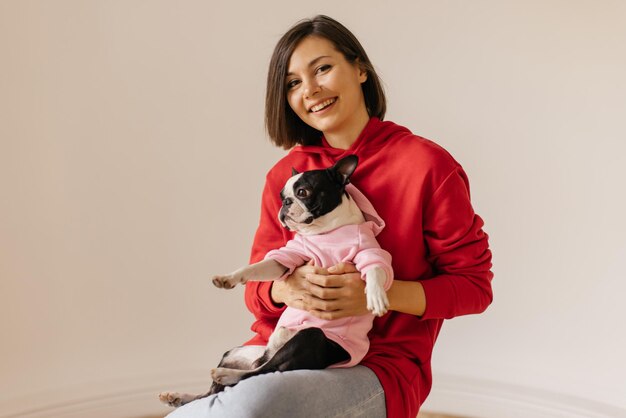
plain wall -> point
(133, 154)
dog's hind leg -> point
(227, 374)
(308, 349)
(176, 399)
(238, 358)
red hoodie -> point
(433, 236)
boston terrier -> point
(334, 222)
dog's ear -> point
(343, 169)
(293, 172)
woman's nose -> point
(311, 88)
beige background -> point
(132, 157)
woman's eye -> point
(293, 83)
(323, 68)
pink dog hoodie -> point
(349, 243)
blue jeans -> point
(351, 392)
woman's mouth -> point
(323, 105)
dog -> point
(334, 222)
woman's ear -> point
(363, 76)
(362, 71)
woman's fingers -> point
(310, 269)
(323, 280)
(324, 293)
(342, 268)
(331, 293)
(292, 290)
(338, 285)
(315, 303)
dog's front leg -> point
(377, 300)
(266, 270)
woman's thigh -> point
(352, 392)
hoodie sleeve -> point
(370, 255)
(458, 250)
(269, 235)
(291, 255)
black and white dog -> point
(314, 204)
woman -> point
(324, 98)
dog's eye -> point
(302, 193)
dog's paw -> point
(227, 282)
(175, 399)
(377, 301)
(225, 376)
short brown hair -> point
(283, 126)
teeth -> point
(322, 105)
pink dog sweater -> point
(350, 243)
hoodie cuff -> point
(437, 307)
(264, 293)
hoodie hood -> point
(369, 213)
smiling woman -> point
(133, 156)
(324, 100)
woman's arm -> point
(341, 292)
(407, 297)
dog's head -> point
(309, 197)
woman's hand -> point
(293, 290)
(337, 294)
(328, 294)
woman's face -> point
(324, 89)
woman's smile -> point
(323, 105)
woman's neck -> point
(344, 138)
